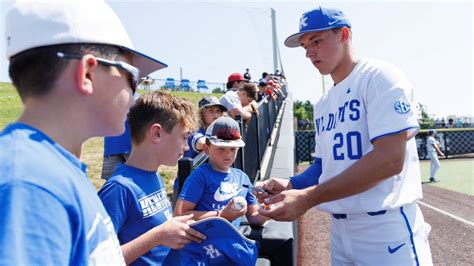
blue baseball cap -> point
(318, 19)
(224, 245)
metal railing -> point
(256, 134)
(277, 247)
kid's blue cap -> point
(318, 19)
(224, 245)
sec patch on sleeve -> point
(402, 107)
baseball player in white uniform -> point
(432, 149)
(366, 173)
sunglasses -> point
(133, 72)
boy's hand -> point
(229, 213)
(176, 232)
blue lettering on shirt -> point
(340, 116)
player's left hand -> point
(286, 206)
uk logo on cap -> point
(318, 19)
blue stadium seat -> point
(169, 83)
(185, 86)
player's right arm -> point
(384, 161)
(437, 149)
(35, 226)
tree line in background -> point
(304, 116)
(428, 121)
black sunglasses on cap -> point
(131, 70)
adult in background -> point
(247, 75)
(116, 150)
(433, 150)
(248, 97)
(231, 100)
(75, 70)
(366, 173)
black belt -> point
(344, 216)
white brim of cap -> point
(294, 40)
(227, 143)
(144, 63)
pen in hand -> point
(257, 189)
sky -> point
(430, 41)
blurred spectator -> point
(261, 90)
(451, 122)
(231, 100)
(265, 77)
(300, 124)
(275, 87)
(459, 122)
(209, 110)
(116, 149)
(264, 90)
(443, 123)
(248, 97)
(247, 75)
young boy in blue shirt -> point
(75, 70)
(210, 189)
(135, 196)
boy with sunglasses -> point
(75, 70)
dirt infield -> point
(451, 240)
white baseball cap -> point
(225, 132)
(31, 24)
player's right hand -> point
(274, 185)
(176, 232)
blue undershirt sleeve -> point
(309, 177)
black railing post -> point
(185, 166)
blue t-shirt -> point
(136, 201)
(212, 190)
(118, 144)
(192, 140)
(50, 212)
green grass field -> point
(93, 149)
(454, 174)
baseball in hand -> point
(239, 203)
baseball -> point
(239, 203)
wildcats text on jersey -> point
(154, 203)
(348, 111)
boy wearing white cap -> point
(75, 70)
(366, 173)
(210, 190)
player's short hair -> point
(34, 72)
(159, 108)
(250, 89)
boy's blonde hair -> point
(159, 108)
(202, 119)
